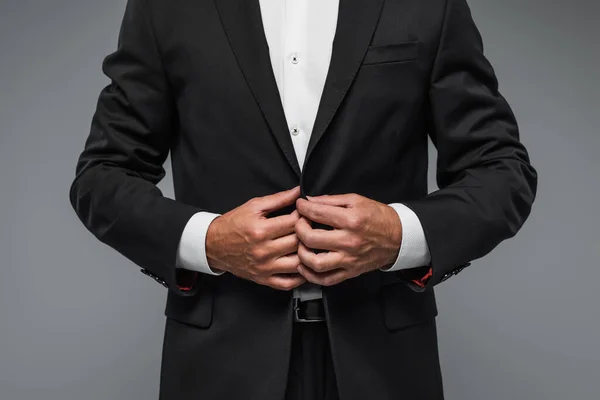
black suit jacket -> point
(193, 78)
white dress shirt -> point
(300, 34)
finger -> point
(285, 282)
(277, 200)
(279, 226)
(342, 200)
(287, 264)
(319, 262)
(324, 279)
(302, 224)
(323, 239)
(283, 246)
(266, 252)
(323, 213)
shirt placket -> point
(295, 61)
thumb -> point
(278, 200)
(332, 200)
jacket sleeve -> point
(486, 182)
(114, 191)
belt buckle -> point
(297, 317)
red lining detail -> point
(423, 281)
(185, 279)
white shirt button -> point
(295, 130)
(294, 58)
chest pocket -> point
(390, 53)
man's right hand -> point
(249, 245)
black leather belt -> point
(309, 310)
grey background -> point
(78, 321)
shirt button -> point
(294, 58)
(295, 130)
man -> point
(302, 248)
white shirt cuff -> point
(191, 253)
(414, 251)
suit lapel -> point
(242, 21)
(243, 26)
(357, 20)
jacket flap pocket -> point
(403, 307)
(404, 51)
(194, 310)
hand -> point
(366, 236)
(249, 245)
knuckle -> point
(312, 213)
(301, 257)
(354, 242)
(258, 253)
(318, 265)
(307, 239)
(295, 260)
(298, 230)
(295, 215)
(287, 286)
(353, 221)
(320, 214)
(328, 281)
(257, 233)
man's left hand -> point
(366, 235)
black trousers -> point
(311, 374)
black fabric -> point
(193, 79)
(311, 374)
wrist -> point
(394, 235)
(211, 246)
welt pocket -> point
(403, 307)
(394, 52)
(194, 310)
